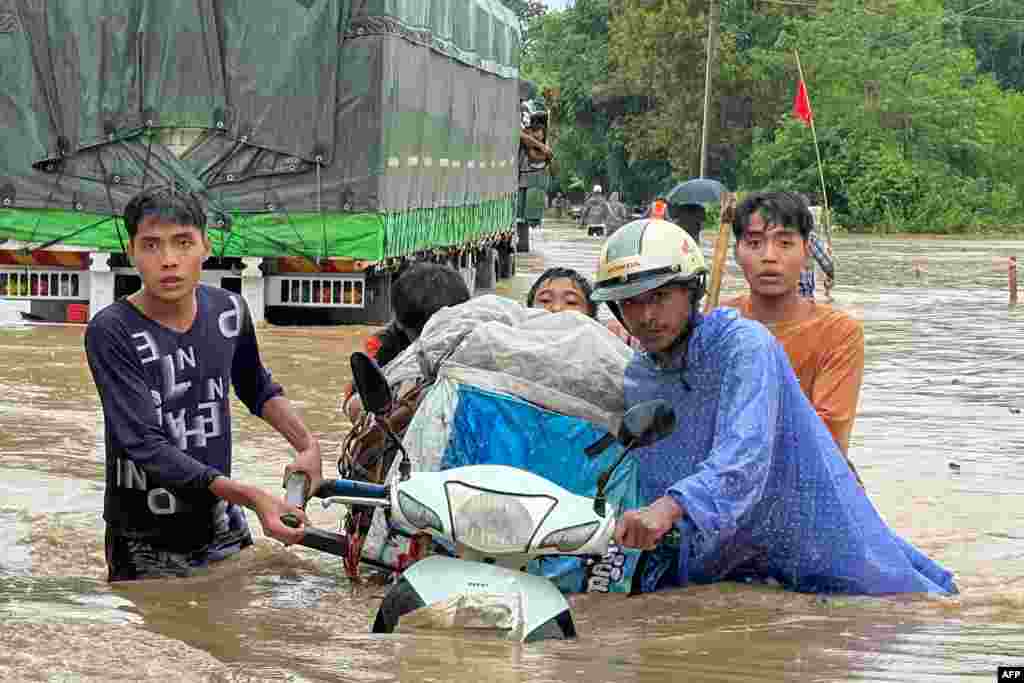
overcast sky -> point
(557, 4)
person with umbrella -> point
(686, 203)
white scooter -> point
(496, 518)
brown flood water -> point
(944, 384)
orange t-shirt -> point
(827, 355)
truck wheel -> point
(523, 244)
(507, 264)
(486, 268)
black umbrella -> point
(696, 191)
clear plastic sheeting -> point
(564, 362)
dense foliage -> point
(918, 104)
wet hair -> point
(681, 212)
(582, 283)
(422, 290)
(779, 208)
(690, 217)
(169, 204)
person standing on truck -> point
(533, 140)
(164, 360)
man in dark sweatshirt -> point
(163, 360)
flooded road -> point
(939, 443)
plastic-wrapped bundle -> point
(564, 362)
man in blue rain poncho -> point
(751, 484)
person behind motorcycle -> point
(562, 289)
(751, 483)
(690, 217)
(825, 345)
(596, 213)
(419, 292)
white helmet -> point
(597, 189)
(645, 254)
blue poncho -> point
(767, 493)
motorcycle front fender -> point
(520, 605)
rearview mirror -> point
(647, 422)
(642, 425)
(371, 385)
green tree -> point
(527, 11)
(658, 52)
(996, 34)
(918, 154)
(570, 56)
(915, 103)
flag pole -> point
(821, 171)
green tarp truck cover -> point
(358, 128)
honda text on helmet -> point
(644, 255)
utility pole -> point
(714, 16)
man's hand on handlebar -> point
(643, 528)
(310, 462)
(270, 509)
(267, 506)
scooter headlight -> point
(493, 522)
(418, 514)
(570, 538)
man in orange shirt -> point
(825, 346)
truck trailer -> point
(332, 142)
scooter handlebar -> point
(349, 488)
(320, 539)
(298, 482)
(295, 494)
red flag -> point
(802, 104)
